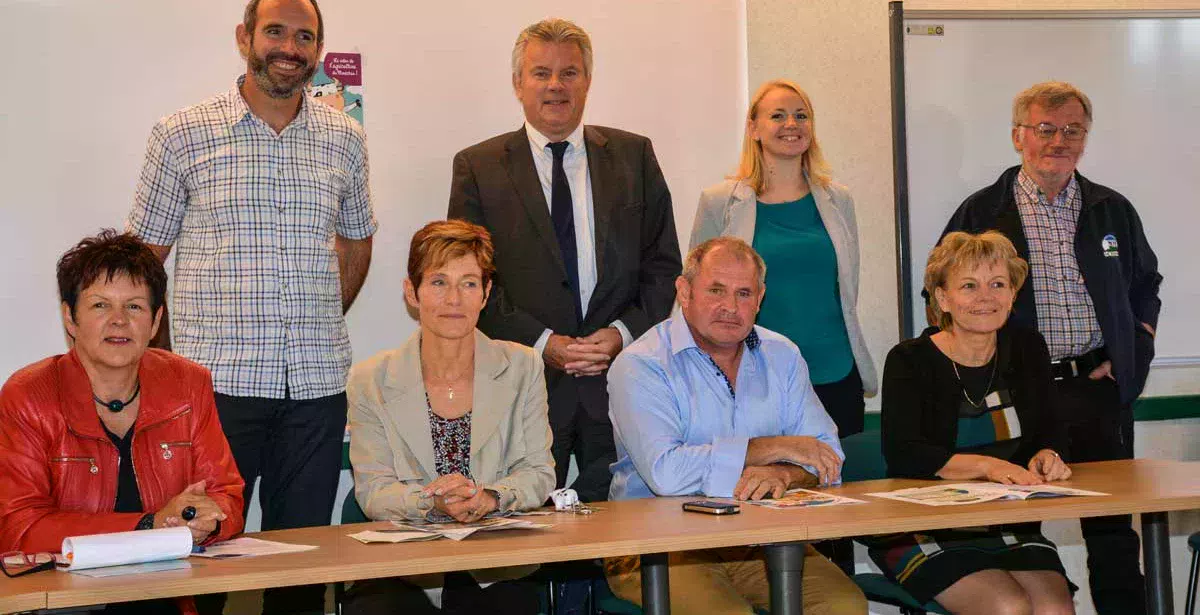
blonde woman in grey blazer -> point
(451, 426)
(783, 201)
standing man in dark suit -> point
(1093, 295)
(586, 250)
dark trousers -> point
(843, 400)
(590, 439)
(461, 595)
(295, 446)
(1099, 428)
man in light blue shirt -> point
(707, 403)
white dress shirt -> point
(576, 167)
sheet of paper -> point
(1050, 491)
(250, 547)
(120, 548)
(958, 494)
(942, 495)
(370, 536)
(804, 498)
(116, 571)
(459, 531)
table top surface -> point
(618, 528)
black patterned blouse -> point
(451, 442)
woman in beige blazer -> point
(783, 201)
(451, 426)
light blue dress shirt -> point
(678, 428)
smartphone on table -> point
(710, 507)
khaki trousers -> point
(734, 580)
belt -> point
(1080, 366)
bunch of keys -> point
(566, 500)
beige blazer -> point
(730, 208)
(391, 448)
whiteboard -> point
(85, 80)
(1143, 77)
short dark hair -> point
(442, 241)
(250, 19)
(110, 253)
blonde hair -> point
(552, 30)
(959, 250)
(442, 241)
(750, 169)
(740, 249)
(1050, 95)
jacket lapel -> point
(75, 397)
(834, 222)
(493, 400)
(602, 175)
(523, 173)
(406, 406)
(1008, 222)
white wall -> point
(86, 80)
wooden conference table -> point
(649, 528)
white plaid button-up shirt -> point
(1065, 314)
(252, 215)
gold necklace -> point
(449, 382)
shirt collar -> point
(239, 109)
(539, 141)
(682, 339)
(1035, 195)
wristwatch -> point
(146, 522)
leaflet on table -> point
(121, 548)
(249, 547)
(410, 530)
(804, 498)
(958, 494)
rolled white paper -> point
(120, 548)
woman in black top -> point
(972, 400)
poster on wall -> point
(338, 83)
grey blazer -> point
(729, 208)
(391, 448)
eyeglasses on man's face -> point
(16, 563)
(1046, 131)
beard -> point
(280, 88)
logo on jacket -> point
(1109, 245)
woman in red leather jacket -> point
(111, 436)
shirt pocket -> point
(314, 198)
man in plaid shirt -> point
(1093, 295)
(263, 193)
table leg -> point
(785, 567)
(656, 588)
(1156, 552)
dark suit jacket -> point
(496, 185)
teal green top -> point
(802, 299)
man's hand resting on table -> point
(758, 482)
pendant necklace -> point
(450, 381)
(117, 405)
(963, 388)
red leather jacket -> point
(58, 469)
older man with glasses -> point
(1094, 297)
